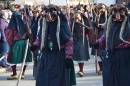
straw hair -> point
(43, 32)
(58, 32)
(121, 30)
(82, 27)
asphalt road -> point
(90, 78)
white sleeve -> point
(30, 13)
(86, 14)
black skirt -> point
(51, 69)
(81, 52)
(116, 68)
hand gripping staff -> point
(94, 36)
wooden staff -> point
(25, 54)
(30, 38)
(90, 28)
(2, 57)
(68, 10)
(94, 40)
(50, 1)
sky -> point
(56, 2)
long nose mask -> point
(51, 14)
(118, 12)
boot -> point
(100, 70)
(80, 73)
(24, 68)
(14, 75)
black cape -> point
(113, 39)
(16, 23)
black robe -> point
(116, 64)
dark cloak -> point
(51, 27)
(100, 33)
(34, 27)
(113, 39)
(116, 66)
(81, 52)
(77, 26)
(16, 23)
(51, 64)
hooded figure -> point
(55, 41)
(116, 40)
(17, 41)
(80, 38)
(99, 29)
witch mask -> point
(51, 13)
(77, 17)
(101, 8)
(118, 12)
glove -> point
(68, 63)
(96, 45)
(90, 45)
(33, 48)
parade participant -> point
(81, 48)
(3, 41)
(117, 43)
(56, 44)
(35, 25)
(17, 41)
(102, 16)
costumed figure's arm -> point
(90, 36)
(101, 43)
(12, 36)
(37, 43)
(124, 44)
(102, 26)
(69, 48)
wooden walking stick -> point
(25, 54)
(94, 39)
(30, 38)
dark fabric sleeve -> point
(69, 48)
(102, 43)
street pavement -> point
(90, 78)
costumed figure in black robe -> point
(55, 65)
(99, 25)
(17, 39)
(36, 25)
(116, 41)
(81, 48)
